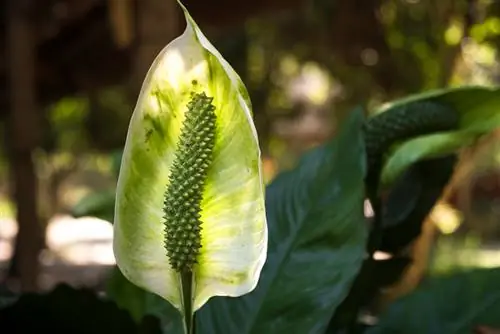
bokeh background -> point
(72, 69)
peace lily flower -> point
(190, 219)
(477, 109)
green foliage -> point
(67, 118)
(313, 276)
(317, 235)
(69, 310)
(412, 199)
(100, 204)
(373, 276)
(478, 109)
(316, 278)
(451, 304)
(97, 204)
(7, 297)
(108, 117)
(140, 303)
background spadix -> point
(234, 230)
(479, 110)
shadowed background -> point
(72, 70)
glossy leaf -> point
(317, 239)
(453, 304)
(479, 110)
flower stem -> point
(187, 287)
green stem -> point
(187, 287)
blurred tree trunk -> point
(157, 22)
(23, 137)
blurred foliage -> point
(314, 63)
(66, 119)
(453, 254)
(140, 303)
(96, 204)
(69, 310)
(477, 116)
(305, 70)
(455, 303)
(405, 209)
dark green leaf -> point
(140, 303)
(69, 310)
(374, 275)
(317, 240)
(412, 199)
(7, 297)
(452, 304)
(99, 204)
(389, 271)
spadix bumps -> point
(190, 195)
(187, 181)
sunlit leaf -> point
(479, 111)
